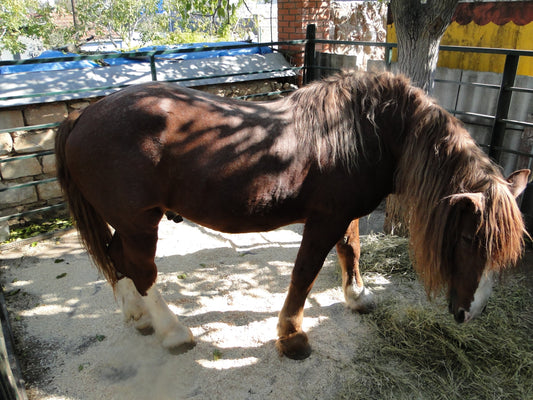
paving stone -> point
(50, 190)
(24, 195)
(6, 143)
(49, 164)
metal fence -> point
(499, 122)
(90, 91)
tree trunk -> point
(419, 28)
(420, 25)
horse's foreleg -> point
(357, 296)
(318, 239)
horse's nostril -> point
(460, 316)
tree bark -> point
(419, 28)
(420, 25)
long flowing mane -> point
(339, 115)
(342, 114)
(442, 160)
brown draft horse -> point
(326, 155)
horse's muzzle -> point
(459, 314)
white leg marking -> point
(359, 299)
(481, 296)
(133, 305)
(166, 325)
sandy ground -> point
(227, 288)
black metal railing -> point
(498, 123)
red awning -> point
(499, 13)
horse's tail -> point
(94, 231)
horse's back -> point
(211, 159)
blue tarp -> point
(53, 66)
(122, 61)
(202, 52)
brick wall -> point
(293, 18)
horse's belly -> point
(237, 211)
(237, 225)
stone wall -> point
(359, 21)
(25, 157)
(336, 20)
(25, 154)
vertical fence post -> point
(152, 68)
(502, 109)
(388, 57)
(310, 55)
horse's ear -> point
(475, 199)
(518, 181)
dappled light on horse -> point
(326, 155)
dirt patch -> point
(228, 289)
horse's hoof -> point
(295, 346)
(179, 340)
(146, 331)
(143, 323)
(362, 301)
(182, 348)
(171, 215)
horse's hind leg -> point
(174, 335)
(133, 305)
(133, 256)
(358, 298)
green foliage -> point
(221, 14)
(180, 22)
(24, 18)
(37, 229)
(110, 18)
(129, 20)
(217, 355)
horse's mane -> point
(440, 161)
(342, 114)
(337, 115)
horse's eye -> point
(467, 238)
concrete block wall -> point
(16, 170)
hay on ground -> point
(419, 352)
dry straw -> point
(418, 352)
